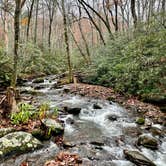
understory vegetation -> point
(132, 63)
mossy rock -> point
(17, 143)
(148, 142)
(52, 127)
(140, 121)
(138, 158)
(5, 131)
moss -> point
(17, 143)
(140, 121)
(5, 131)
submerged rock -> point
(5, 131)
(74, 111)
(17, 143)
(148, 142)
(138, 158)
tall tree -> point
(67, 41)
(51, 6)
(133, 12)
(29, 17)
(18, 6)
(36, 20)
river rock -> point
(5, 131)
(112, 117)
(156, 131)
(38, 87)
(38, 80)
(148, 142)
(17, 143)
(138, 158)
(140, 121)
(52, 126)
(74, 110)
(56, 86)
(70, 120)
(40, 134)
(96, 106)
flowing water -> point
(99, 136)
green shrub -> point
(26, 112)
(132, 66)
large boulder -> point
(17, 143)
(148, 142)
(5, 131)
(138, 158)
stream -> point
(99, 136)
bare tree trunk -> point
(133, 12)
(51, 11)
(16, 42)
(83, 37)
(6, 32)
(19, 4)
(116, 15)
(36, 20)
(29, 18)
(79, 48)
(83, 3)
(96, 26)
(67, 42)
(43, 24)
(163, 12)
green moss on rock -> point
(17, 143)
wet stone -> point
(74, 111)
(5, 131)
(17, 143)
(96, 106)
(112, 117)
(140, 121)
(148, 142)
(138, 158)
(52, 126)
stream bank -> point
(100, 131)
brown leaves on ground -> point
(91, 90)
(65, 159)
(24, 164)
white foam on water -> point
(122, 163)
(157, 157)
